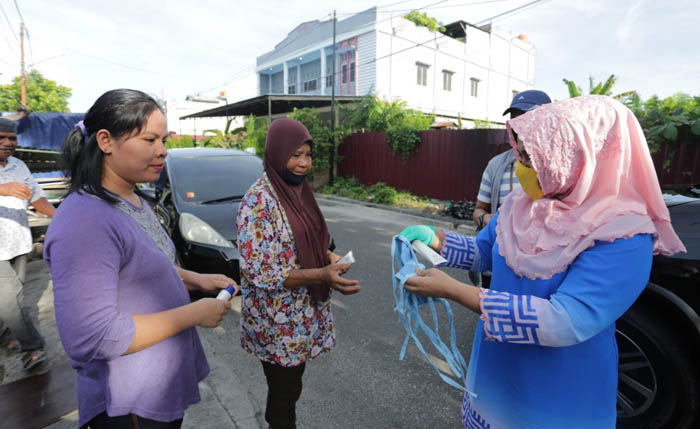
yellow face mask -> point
(528, 180)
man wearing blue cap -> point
(499, 176)
(499, 179)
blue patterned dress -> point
(544, 354)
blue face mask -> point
(403, 265)
(293, 179)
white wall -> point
(366, 68)
(501, 62)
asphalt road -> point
(362, 383)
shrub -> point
(382, 194)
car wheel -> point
(657, 378)
(163, 216)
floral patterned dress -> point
(278, 325)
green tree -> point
(600, 88)
(182, 141)
(423, 20)
(321, 135)
(255, 133)
(43, 95)
(224, 139)
(392, 117)
(672, 120)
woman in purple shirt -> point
(122, 307)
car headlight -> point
(196, 230)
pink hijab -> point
(598, 180)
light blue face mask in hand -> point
(403, 266)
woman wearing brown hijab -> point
(287, 269)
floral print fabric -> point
(278, 325)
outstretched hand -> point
(215, 282)
(331, 277)
(432, 282)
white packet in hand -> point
(347, 259)
(432, 256)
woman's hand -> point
(214, 282)
(330, 275)
(331, 257)
(210, 311)
(427, 234)
(432, 282)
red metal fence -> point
(448, 163)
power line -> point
(416, 45)
(9, 45)
(318, 25)
(358, 28)
(26, 31)
(109, 61)
(475, 3)
(46, 59)
(9, 24)
(509, 12)
(18, 11)
(232, 78)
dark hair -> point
(119, 111)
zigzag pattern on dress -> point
(470, 418)
(511, 318)
(460, 251)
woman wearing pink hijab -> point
(570, 253)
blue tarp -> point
(46, 130)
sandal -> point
(32, 359)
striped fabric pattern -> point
(486, 186)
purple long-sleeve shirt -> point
(105, 268)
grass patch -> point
(379, 193)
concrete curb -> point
(229, 394)
(463, 226)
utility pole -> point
(332, 154)
(23, 89)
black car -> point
(659, 336)
(196, 200)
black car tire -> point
(655, 354)
(163, 216)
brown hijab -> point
(309, 227)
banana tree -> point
(600, 88)
(224, 139)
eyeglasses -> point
(9, 138)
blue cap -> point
(230, 289)
(528, 100)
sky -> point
(174, 48)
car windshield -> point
(213, 179)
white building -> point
(177, 108)
(466, 72)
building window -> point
(292, 89)
(447, 80)
(352, 71)
(329, 81)
(310, 85)
(475, 87)
(344, 73)
(422, 74)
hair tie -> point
(81, 126)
